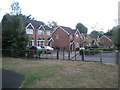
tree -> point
(109, 32)
(116, 37)
(13, 32)
(81, 28)
(16, 10)
(52, 24)
(95, 34)
(14, 35)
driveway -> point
(11, 79)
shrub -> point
(77, 49)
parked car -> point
(48, 48)
(33, 50)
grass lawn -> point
(48, 73)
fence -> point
(83, 55)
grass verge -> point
(48, 73)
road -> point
(11, 79)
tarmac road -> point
(11, 79)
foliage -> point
(16, 10)
(81, 28)
(116, 37)
(13, 34)
(52, 24)
(109, 32)
(95, 34)
(77, 49)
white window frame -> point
(40, 32)
(48, 32)
(29, 31)
(31, 42)
(40, 42)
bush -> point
(87, 52)
(77, 49)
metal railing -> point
(82, 55)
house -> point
(106, 41)
(66, 38)
(38, 33)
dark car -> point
(34, 50)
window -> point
(39, 31)
(71, 36)
(57, 36)
(29, 31)
(31, 43)
(48, 32)
(40, 42)
(77, 36)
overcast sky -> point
(100, 13)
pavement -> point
(11, 79)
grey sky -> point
(100, 13)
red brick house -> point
(66, 38)
(38, 33)
(106, 41)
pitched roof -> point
(35, 23)
(68, 29)
(47, 28)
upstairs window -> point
(48, 32)
(29, 31)
(39, 31)
(71, 36)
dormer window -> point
(29, 31)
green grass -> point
(47, 73)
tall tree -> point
(116, 37)
(95, 34)
(13, 31)
(109, 32)
(81, 28)
(13, 34)
(15, 7)
(52, 24)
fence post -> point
(63, 54)
(68, 55)
(101, 55)
(57, 54)
(82, 54)
(75, 54)
(117, 57)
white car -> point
(48, 48)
